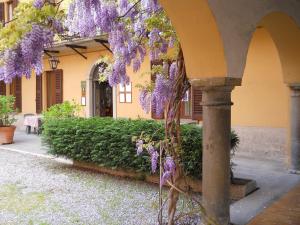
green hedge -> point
(108, 142)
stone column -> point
(216, 101)
(295, 128)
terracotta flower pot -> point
(7, 134)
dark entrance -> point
(103, 99)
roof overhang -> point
(79, 46)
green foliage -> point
(25, 14)
(7, 110)
(60, 111)
(108, 142)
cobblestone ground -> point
(43, 192)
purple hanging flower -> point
(170, 165)
(136, 65)
(139, 147)
(38, 4)
(169, 170)
(166, 176)
(123, 5)
(150, 149)
(173, 71)
(145, 100)
(154, 158)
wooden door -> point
(54, 87)
(2, 88)
(16, 90)
(39, 94)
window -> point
(125, 93)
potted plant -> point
(7, 129)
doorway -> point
(103, 99)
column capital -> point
(295, 90)
(294, 86)
(216, 82)
(216, 90)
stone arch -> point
(286, 36)
(199, 36)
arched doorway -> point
(102, 94)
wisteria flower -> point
(154, 158)
(139, 147)
(169, 170)
(145, 100)
(166, 176)
(150, 149)
(38, 4)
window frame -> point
(124, 91)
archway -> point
(285, 34)
(260, 111)
(200, 39)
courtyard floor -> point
(36, 188)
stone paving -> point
(37, 191)
(285, 211)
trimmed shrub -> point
(108, 142)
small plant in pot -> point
(7, 129)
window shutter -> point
(2, 10)
(16, 90)
(58, 86)
(39, 94)
(2, 88)
(19, 94)
(196, 102)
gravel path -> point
(36, 191)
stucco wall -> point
(262, 100)
(76, 69)
(134, 110)
(28, 95)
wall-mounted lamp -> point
(53, 61)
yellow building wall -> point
(28, 94)
(262, 100)
(76, 69)
(134, 110)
